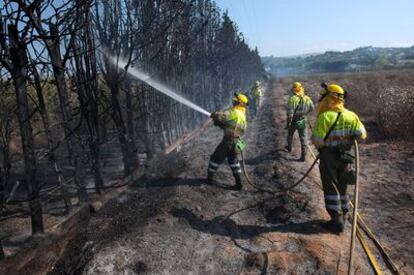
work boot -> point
(210, 178)
(335, 225)
(238, 186)
(288, 148)
(302, 158)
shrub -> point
(396, 114)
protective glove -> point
(214, 117)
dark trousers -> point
(254, 102)
(333, 175)
(226, 149)
(302, 136)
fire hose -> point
(355, 210)
(250, 182)
(358, 222)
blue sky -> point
(291, 27)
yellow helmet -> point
(335, 89)
(240, 98)
(296, 86)
(257, 83)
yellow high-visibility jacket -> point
(346, 129)
(257, 91)
(303, 104)
(232, 121)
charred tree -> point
(114, 33)
(7, 115)
(14, 58)
(130, 121)
(86, 78)
(58, 65)
(1, 251)
(51, 34)
(42, 108)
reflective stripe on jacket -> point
(304, 107)
(233, 122)
(346, 129)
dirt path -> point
(387, 198)
(172, 223)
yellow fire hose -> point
(391, 265)
(355, 209)
(368, 251)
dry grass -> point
(385, 98)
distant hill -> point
(360, 59)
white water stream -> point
(139, 74)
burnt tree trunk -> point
(50, 142)
(5, 150)
(19, 74)
(5, 136)
(87, 88)
(93, 93)
(130, 125)
(122, 132)
(2, 256)
(59, 73)
(1, 251)
(146, 101)
(88, 100)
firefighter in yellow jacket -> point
(233, 123)
(256, 95)
(333, 135)
(299, 106)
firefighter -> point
(334, 133)
(256, 95)
(233, 123)
(299, 106)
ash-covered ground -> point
(172, 222)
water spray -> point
(144, 77)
